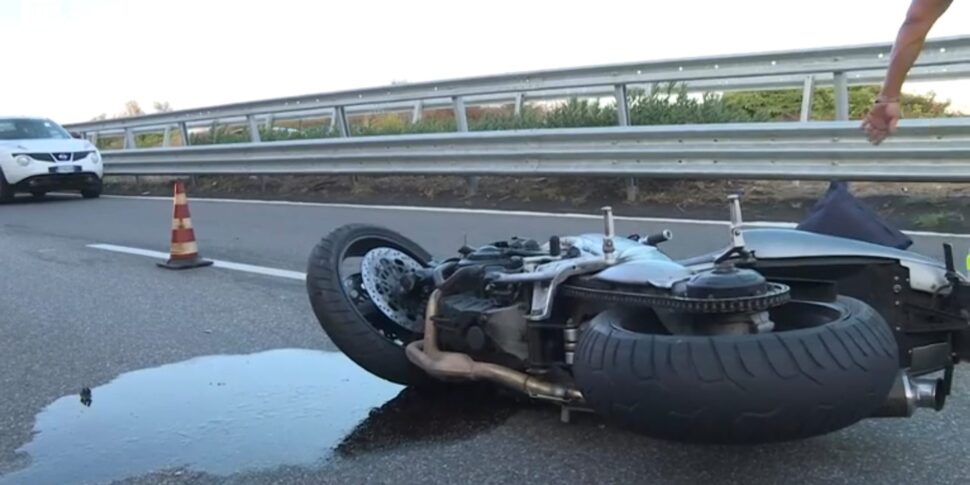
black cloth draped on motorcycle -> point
(839, 213)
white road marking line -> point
(497, 212)
(248, 268)
(450, 210)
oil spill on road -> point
(237, 413)
(432, 416)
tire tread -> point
(768, 387)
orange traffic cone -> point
(184, 253)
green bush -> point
(580, 112)
(506, 119)
(786, 104)
(673, 105)
(395, 124)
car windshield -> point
(30, 129)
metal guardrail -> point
(922, 150)
(928, 73)
(943, 58)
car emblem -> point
(62, 156)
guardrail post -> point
(339, 120)
(94, 138)
(269, 122)
(212, 130)
(253, 129)
(807, 90)
(623, 119)
(130, 139)
(417, 111)
(461, 124)
(461, 118)
(841, 84)
(622, 108)
(519, 101)
(166, 137)
(184, 131)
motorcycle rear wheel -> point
(827, 366)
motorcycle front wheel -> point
(346, 312)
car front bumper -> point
(17, 174)
(49, 182)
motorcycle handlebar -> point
(658, 238)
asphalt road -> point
(220, 376)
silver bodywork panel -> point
(639, 263)
(625, 249)
(658, 273)
(636, 263)
(925, 273)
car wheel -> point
(91, 193)
(6, 190)
(38, 193)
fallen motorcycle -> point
(783, 334)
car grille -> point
(43, 157)
(58, 156)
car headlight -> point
(22, 160)
(95, 157)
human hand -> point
(881, 120)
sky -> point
(74, 59)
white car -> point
(37, 156)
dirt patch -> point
(923, 206)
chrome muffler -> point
(911, 393)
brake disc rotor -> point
(381, 271)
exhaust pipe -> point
(911, 393)
(457, 366)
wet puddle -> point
(228, 414)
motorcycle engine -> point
(480, 327)
(483, 319)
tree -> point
(162, 106)
(132, 108)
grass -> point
(937, 220)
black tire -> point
(38, 194)
(6, 190)
(779, 386)
(91, 193)
(350, 329)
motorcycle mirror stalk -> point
(609, 250)
(736, 233)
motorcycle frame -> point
(931, 329)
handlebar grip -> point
(662, 236)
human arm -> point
(885, 113)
